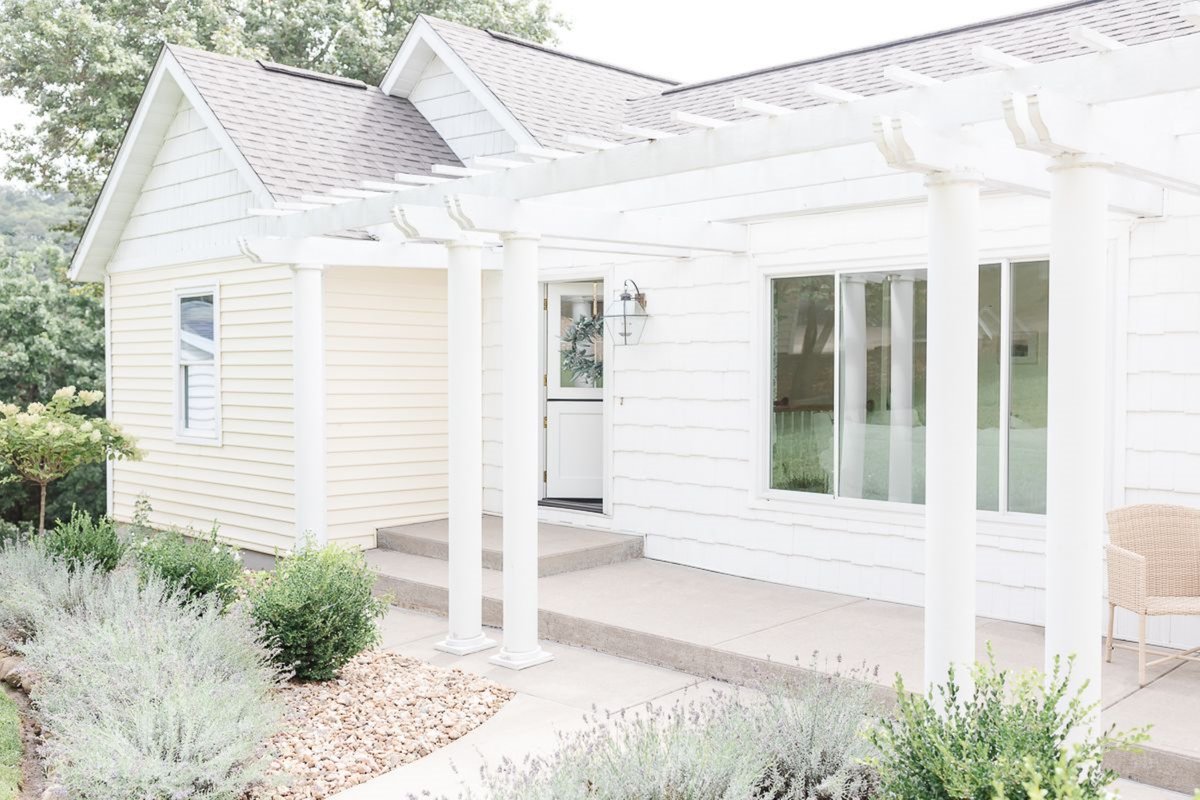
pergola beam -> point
(1054, 125)
(1156, 68)
(1094, 39)
(342, 252)
(759, 107)
(908, 77)
(997, 58)
(697, 120)
(495, 215)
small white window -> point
(196, 354)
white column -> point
(1075, 414)
(950, 429)
(464, 325)
(854, 385)
(900, 428)
(308, 381)
(522, 308)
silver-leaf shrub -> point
(36, 583)
(145, 696)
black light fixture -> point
(625, 317)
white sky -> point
(690, 40)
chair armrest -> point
(1127, 578)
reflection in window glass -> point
(1027, 387)
(991, 345)
(882, 386)
(582, 311)
(802, 383)
(197, 366)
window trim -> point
(183, 435)
(762, 496)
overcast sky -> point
(690, 40)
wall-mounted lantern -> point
(626, 316)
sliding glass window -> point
(848, 385)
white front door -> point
(574, 391)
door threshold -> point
(573, 503)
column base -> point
(524, 660)
(464, 647)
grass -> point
(10, 747)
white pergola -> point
(1096, 134)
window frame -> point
(185, 435)
(762, 496)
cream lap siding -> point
(386, 414)
(457, 115)
(1162, 388)
(246, 483)
(193, 196)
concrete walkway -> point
(552, 698)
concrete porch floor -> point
(719, 626)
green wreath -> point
(582, 339)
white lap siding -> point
(386, 418)
(684, 428)
(1162, 390)
(246, 484)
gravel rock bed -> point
(384, 711)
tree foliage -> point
(45, 441)
(82, 64)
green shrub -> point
(802, 741)
(1017, 736)
(317, 610)
(84, 540)
(34, 583)
(146, 694)
(200, 566)
(10, 748)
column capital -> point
(516, 236)
(1079, 161)
(951, 177)
(308, 266)
(465, 243)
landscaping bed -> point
(383, 711)
(156, 668)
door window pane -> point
(882, 435)
(802, 383)
(581, 352)
(991, 345)
(1027, 387)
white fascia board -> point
(1161, 67)
(421, 40)
(160, 100)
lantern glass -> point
(624, 319)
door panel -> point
(574, 449)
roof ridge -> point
(1031, 14)
(512, 38)
(278, 68)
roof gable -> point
(166, 88)
(545, 95)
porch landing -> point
(734, 629)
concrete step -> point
(560, 548)
(743, 631)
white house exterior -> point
(823, 396)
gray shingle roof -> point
(551, 94)
(309, 134)
(1036, 36)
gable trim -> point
(420, 47)
(167, 85)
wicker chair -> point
(1153, 570)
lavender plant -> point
(37, 583)
(800, 741)
(142, 694)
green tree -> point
(51, 335)
(82, 64)
(46, 441)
